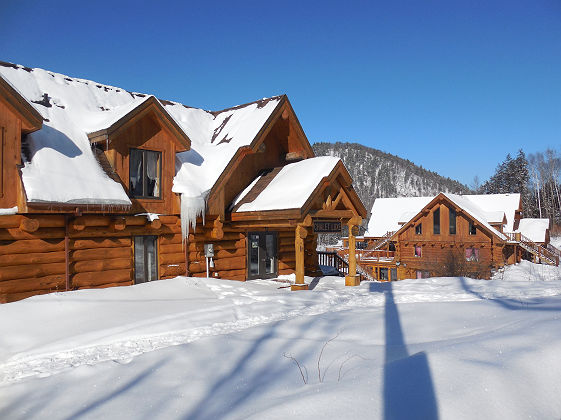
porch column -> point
(300, 234)
(352, 279)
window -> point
(472, 228)
(384, 275)
(472, 254)
(145, 173)
(436, 222)
(393, 274)
(145, 259)
(419, 229)
(423, 274)
(418, 250)
(452, 219)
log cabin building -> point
(103, 187)
(472, 235)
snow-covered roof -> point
(534, 229)
(389, 214)
(291, 187)
(63, 168)
(463, 202)
(507, 203)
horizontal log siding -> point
(230, 259)
(34, 263)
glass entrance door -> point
(262, 255)
(145, 259)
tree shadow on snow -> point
(113, 394)
(521, 303)
(408, 386)
(241, 384)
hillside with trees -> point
(537, 178)
(379, 174)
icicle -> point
(191, 208)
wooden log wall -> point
(35, 257)
(229, 253)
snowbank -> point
(208, 349)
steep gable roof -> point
(125, 115)
(390, 214)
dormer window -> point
(145, 170)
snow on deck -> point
(63, 168)
(214, 349)
(292, 186)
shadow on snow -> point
(408, 386)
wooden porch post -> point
(352, 279)
(300, 234)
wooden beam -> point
(299, 235)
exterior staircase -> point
(548, 255)
(382, 241)
(341, 264)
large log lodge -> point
(450, 235)
(96, 182)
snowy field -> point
(450, 348)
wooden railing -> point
(382, 241)
(341, 264)
(332, 259)
(547, 255)
(375, 255)
(554, 250)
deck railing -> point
(341, 264)
(382, 241)
(543, 254)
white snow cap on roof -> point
(463, 202)
(215, 138)
(389, 214)
(63, 167)
(534, 229)
(507, 203)
(291, 187)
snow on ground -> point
(211, 349)
(555, 241)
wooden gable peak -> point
(283, 110)
(151, 104)
(31, 118)
(341, 201)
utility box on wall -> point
(209, 250)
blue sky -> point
(451, 85)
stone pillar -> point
(300, 234)
(352, 279)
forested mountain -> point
(379, 174)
